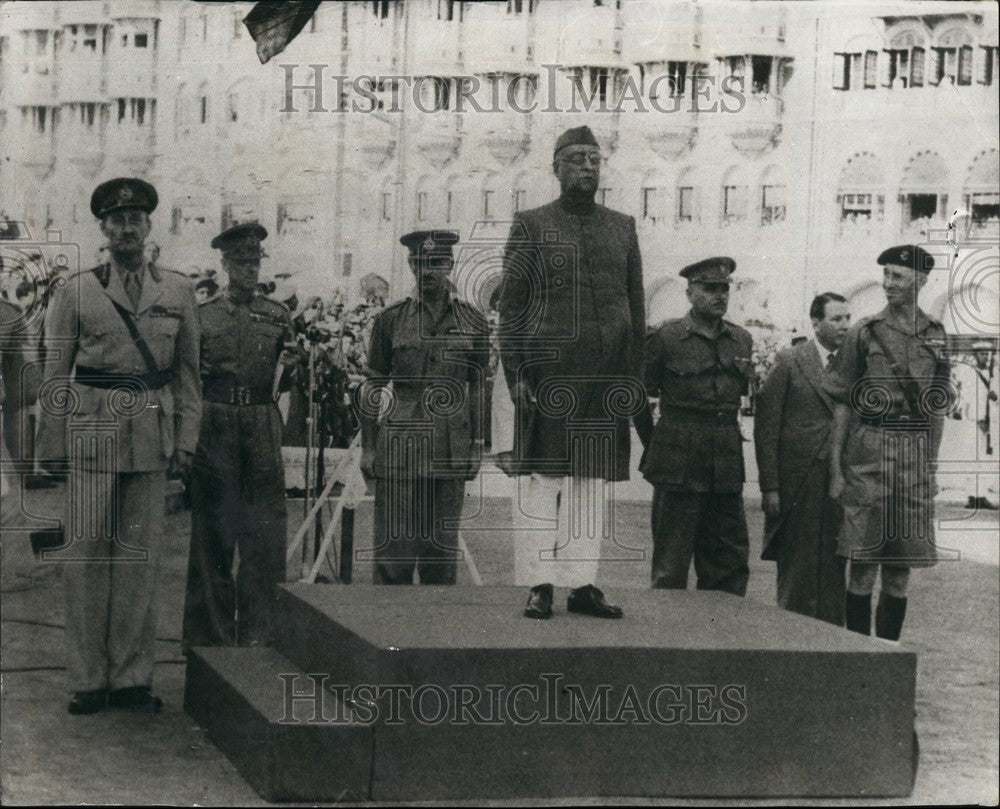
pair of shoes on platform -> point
(587, 600)
(980, 503)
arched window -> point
(519, 193)
(905, 56)
(982, 199)
(425, 203)
(387, 201)
(653, 198)
(951, 58)
(686, 197)
(923, 191)
(491, 201)
(855, 66)
(734, 196)
(861, 192)
(454, 200)
(773, 189)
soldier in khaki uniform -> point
(434, 349)
(699, 365)
(120, 402)
(891, 384)
(238, 484)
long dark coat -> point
(792, 427)
(572, 323)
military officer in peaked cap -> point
(891, 385)
(699, 365)
(238, 483)
(434, 350)
(122, 350)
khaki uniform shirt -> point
(427, 429)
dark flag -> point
(273, 24)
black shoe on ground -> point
(985, 504)
(87, 702)
(588, 600)
(136, 698)
(539, 602)
(972, 502)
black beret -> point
(908, 255)
(122, 193)
(580, 135)
(430, 243)
(710, 270)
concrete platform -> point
(691, 694)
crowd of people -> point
(147, 373)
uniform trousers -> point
(237, 502)
(559, 523)
(416, 529)
(709, 526)
(113, 532)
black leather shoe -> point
(539, 602)
(85, 702)
(589, 600)
(136, 698)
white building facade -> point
(799, 138)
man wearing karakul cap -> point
(891, 384)
(700, 366)
(122, 349)
(571, 329)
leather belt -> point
(894, 420)
(106, 380)
(704, 416)
(225, 391)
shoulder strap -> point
(906, 382)
(133, 331)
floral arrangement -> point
(338, 340)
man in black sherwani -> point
(572, 326)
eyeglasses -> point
(579, 158)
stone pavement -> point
(48, 757)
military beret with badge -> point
(912, 256)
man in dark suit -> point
(572, 325)
(792, 424)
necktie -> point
(133, 288)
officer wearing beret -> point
(572, 324)
(891, 384)
(120, 403)
(434, 350)
(238, 485)
(699, 365)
